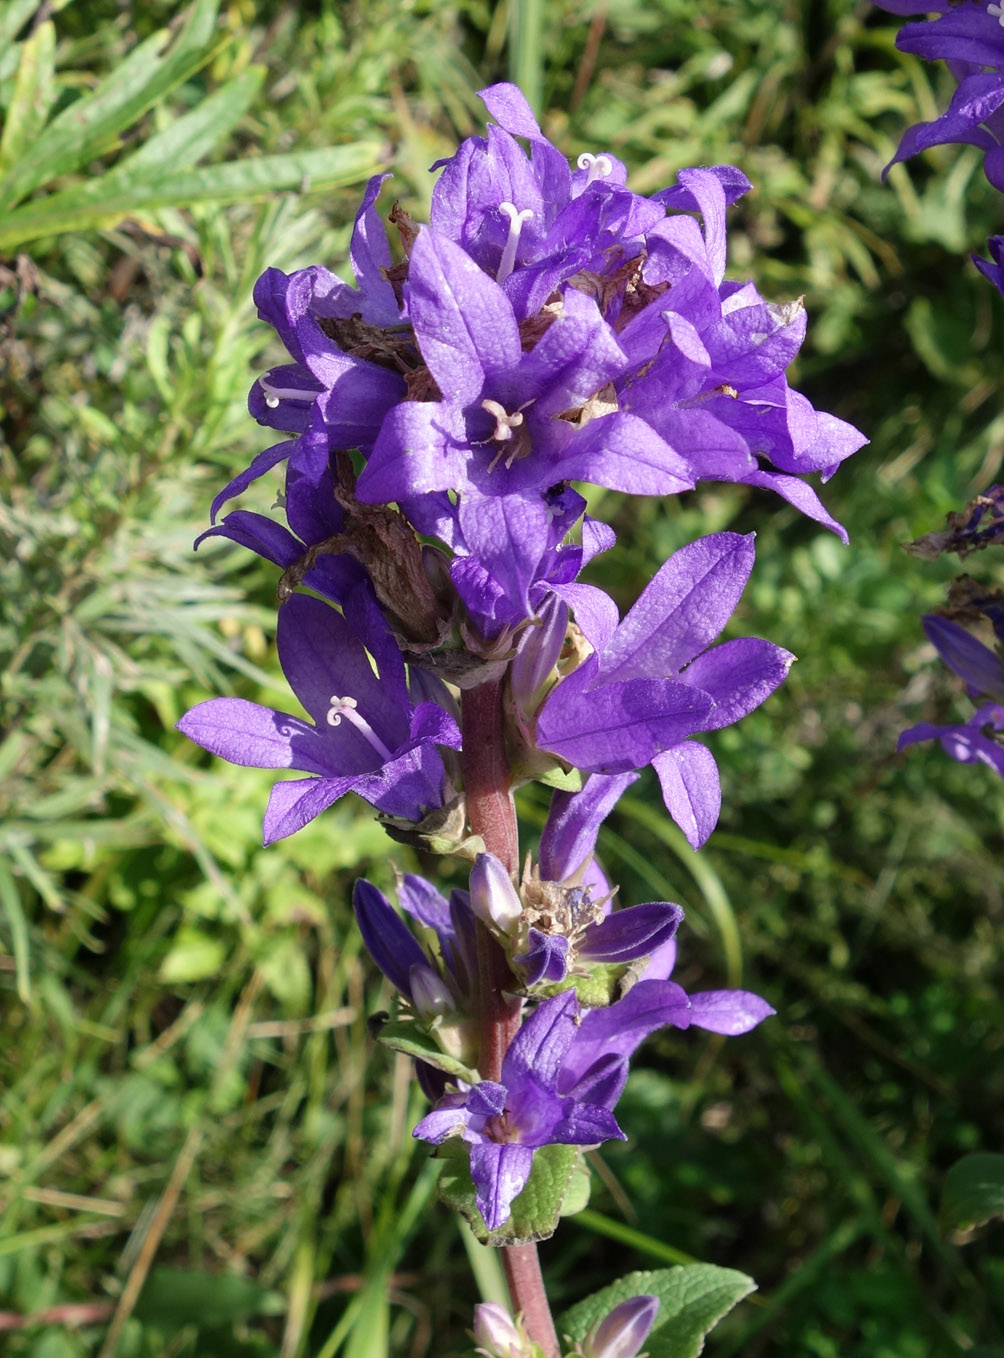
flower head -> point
(367, 734)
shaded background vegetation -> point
(201, 1152)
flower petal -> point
(500, 1173)
(681, 610)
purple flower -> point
(552, 929)
(970, 38)
(513, 418)
(505, 1122)
(561, 1077)
(994, 271)
(978, 665)
(350, 352)
(367, 735)
(978, 740)
(622, 1331)
(651, 682)
(400, 957)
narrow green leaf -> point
(535, 1211)
(32, 97)
(187, 139)
(410, 1039)
(181, 1296)
(91, 125)
(101, 204)
(973, 1191)
(10, 900)
(632, 1237)
(692, 1299)
(14, 15)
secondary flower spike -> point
(970, 38)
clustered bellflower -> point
(547, 328)
(969, 38)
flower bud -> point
(496, 1334)
(621, 1333)
(535, 661)
(430, 994)
(494, 899)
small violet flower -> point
(980, 740)
(562, 1075)
(651, 682)
(367, 734)
(505, 1122)
(970, 38)
(621, 1333)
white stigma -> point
(998, 12)
(516, 220)
(348, 708)
(273, 394)
(598, 166)
(504, 422)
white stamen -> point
(348, 708)
(998, 12)
(598, 166)
(516, 220)
(273, 394)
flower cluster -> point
(979, 739)
(969, 37)
(548, 327)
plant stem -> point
(491, 814)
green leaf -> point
(692, 1299)
(194, 956)
(110, 199)
(186, 140)
(32, 97)
(13, 16)
(90, 126)
(175, 1297)
(410, 1039)
(10, 901)
(973, 1191)
(535, 1211)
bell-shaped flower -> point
(506, 1121)
(622, 1331)
(970, 38)
(497, 1335)
(980, 740)
(993, 268)
(366, 735)
(652, 681)
(978, 665)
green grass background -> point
(201, 1150)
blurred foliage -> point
(201, 1150)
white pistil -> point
(273, 394)
(598, 166)
(504, 422)
(348, 708)
(516, 220)
(998, 12)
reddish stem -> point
(491, 814)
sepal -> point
(422, 1045)
(534, 1212)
